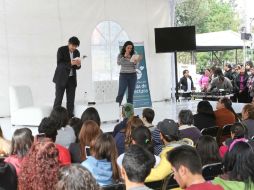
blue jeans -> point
(126, 80)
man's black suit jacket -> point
(64, 66)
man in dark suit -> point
(65, 78)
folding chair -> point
(210, 171)
(211, 131)
(169, 182)
(115, 186)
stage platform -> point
(109, 113)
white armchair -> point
(23, 111)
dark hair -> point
(74, 41)
(40, 167)
(228, 104)
(218, 73)
(186, 156)
(184, 71)
(75, 176)
(208, 150)
(148, 113)
(76, 124)
(249, 108)
(48, 127)
(238, 163)
(206, 108)
(104, 147)
(137, 163)
(238, 130)
(1, 132)
(123, 50)
(185, 117)
(60, 115)
(91, 114)
(132, 123)
(143, 137)
(21, 142)
(89, 131)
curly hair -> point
(127, 43)
(76, 176)
(40, 167)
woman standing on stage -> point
(128, 75)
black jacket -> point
(64, 66)
(184, 85)
(202, 121)
(237, 82)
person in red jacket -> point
(48, 127)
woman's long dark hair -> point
(204, 107)
(218, 73)
(238, 164)
(127, 43)
(208, 150)
(228, 104)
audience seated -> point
(141, 136)
(40, 167)
(21, 142)
(76, 177)
(248, 119)
(147, 118)
(8, 176)
(238, 168)
(137, 164)
(186, 127)
(225, 114)
(205, 116)
(208, 150)
(76, 124)
(237, 132)
(91, 114)
(187, 168)
(123, 137)
(102, 162)
(48, 127)
(127, 113)
(170, 136)
(5, 145)
(89, 131)
(65, 133)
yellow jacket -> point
(163, 169)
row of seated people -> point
(94, 152)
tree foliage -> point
(207, 16)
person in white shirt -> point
(186, 84)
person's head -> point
(75, 176)
(218, 72)
(208, 150)
(242, 71)
(238, 163)
(223, 103)
(252, 70)
(137, 164)
(205, 107)
(185, 163)
(169, 130)
(143, 137)
(104, 147)
(249, 64)
(237, 131)
(76, 124)
(48, 127)
(128, 48)
(185, 73)
(89, 131)
(226, 67)
(60, 115)
(207, 72)
(127, 110)
(132, 123)
(73, 43)
(91, 114)
(185, 117)
(40, 167)
(21, 142)
(148, 115)
(248, 112)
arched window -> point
(104, 48)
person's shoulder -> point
(205, 185)
(63, 48)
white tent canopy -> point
(219, 41)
